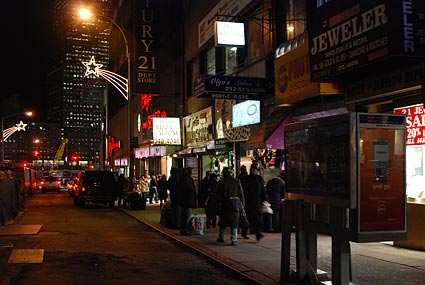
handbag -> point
(266, 208)
(237, 204)
(243, 220)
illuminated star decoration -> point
(118, 81)
(16, 128)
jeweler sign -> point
(415, 123)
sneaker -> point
(234, 243)
(220, 240)
(259, 236)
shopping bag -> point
(196, 225)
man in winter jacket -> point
(186, 200)
(229, 189)
(275, 192)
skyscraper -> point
(74, 100)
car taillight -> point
(41, 182)
(58, 182)
(83, 189)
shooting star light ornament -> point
(118, 81)
(16, 128)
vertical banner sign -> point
(381, 156)
(147, 26)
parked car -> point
(50, 183)
(95, 186)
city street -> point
(98, 245)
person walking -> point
(232, 200)
(275, 188)
(162, 190)
(173, 185)
(122, 183)
(186, 199)
(210, 204)
(153, 190)
(255, 193)
(243, 173)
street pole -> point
(2, 141)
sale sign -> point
(415, 123)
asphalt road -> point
(99, 245)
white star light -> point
(118, 81)
(92, 67)
(20, 126)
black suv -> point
(96, 186)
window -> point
(231, 59)
(195, 74)
(211, 67)
(259, 41)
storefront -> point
(382, 66)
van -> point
(96, 186)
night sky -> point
(26, 31)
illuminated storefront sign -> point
(166, 131)
(229, 34)
(113, 143)
(415, 123)
(198, 128)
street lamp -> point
(86, 14)
(5, 133)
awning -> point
(276, 140)
(321, 114)
(262, 134)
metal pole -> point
(2, 141)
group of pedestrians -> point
(230, 198)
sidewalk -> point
(260, 261)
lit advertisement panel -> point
(246, 113)
(166, 131)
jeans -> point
(153, 192)
(233, 234)
(186, 214)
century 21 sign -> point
(415, 123)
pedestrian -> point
(187, 199)
(173, 185)
(255, 193)
(122, 183)
(203, 193)
(153, 190)
(243, 173)
(210, 204)
(143, 186)
(229, 191)
(162, 190)
(275, 192)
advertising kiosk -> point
(345, 177)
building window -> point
(231, 60)
(211, 67)
(195, 74)
(259, 36)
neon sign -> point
(112, 144)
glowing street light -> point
(123, 86)
(6, 133)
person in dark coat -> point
(255, 193)
(186, 200)
(210, 203)
(275, 192)
(229, 188)
(162, 190)
(243, 172)
(173, 185)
